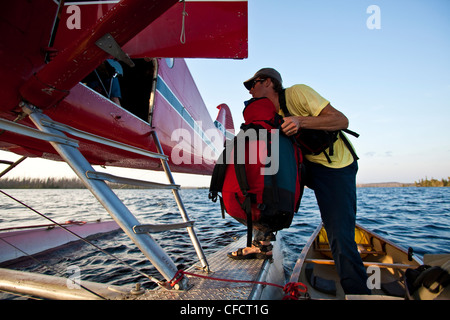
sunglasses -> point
(253, 83)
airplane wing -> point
(189, 29)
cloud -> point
(370, 154)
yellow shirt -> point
(302, 100)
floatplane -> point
(50, 51)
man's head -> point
(262, 75)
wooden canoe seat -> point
(363, 241)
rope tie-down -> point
(292, 290)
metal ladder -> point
(67, 148)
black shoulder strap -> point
(347, 143)
(218, 175)
(353, 133)
(282, 100)
(217, 180)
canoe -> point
(385, 262)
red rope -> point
(292, 290)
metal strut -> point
(11, 165)
(119, 212)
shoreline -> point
(385, 185)
(74, 183)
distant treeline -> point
(47, 183)
(41, 183)
(433, 183)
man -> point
(334, 183)
(104, 80)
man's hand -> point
(291, 125)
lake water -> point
(410, 217)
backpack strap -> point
(218, 175)
(246, 205)
(347, 143)
(353, 133)
(217, 180)
(282, 100)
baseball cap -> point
(264, 72)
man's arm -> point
(329, 119)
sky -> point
(384, 64)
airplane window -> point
(126, 86)
(170, 62)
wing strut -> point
(95, 182)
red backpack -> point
(259, 172)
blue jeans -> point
(335, 191)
